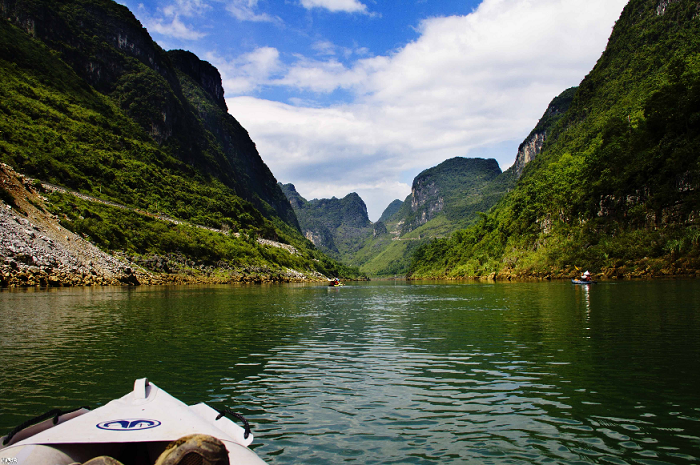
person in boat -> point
(192, 449)
(586, 276)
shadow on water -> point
(384, 372)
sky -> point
(346, 96)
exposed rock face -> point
(534, 143)
(663, 4)
(445, 186)
(527, 151)
(425, 197)
(321, 237)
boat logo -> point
(128, 424)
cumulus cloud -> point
(467, 84)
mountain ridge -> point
(615, 189)
(95, 106)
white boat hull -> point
(142, 422)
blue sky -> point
(360, 96)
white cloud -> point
(174, 28)
(186, 8)
(321, 76)
(245, 10)
(467, 84)
(168, 23)
(248, 72)
(324, 47)
(346, 6)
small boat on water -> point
(136, 428)
(335, 283)
(585, 279)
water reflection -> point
(385, 373)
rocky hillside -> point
(456, 188)
(38, 250)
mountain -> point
(456, 189)
(336, 226)
(92, 104)
(173, 97)
(616, 187)
(534, 142)
(390, 210)
(443, 199)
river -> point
(383, 372)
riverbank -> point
(36, 251)
(641, 269)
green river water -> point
(383, 372)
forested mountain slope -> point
(337, 227)
(91, 103)
(616, 187)
(443, 199)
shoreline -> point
(607, 275)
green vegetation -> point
(616, 189)
(389, 255)
(338, 227)
(456, 188)
(444, 198)
(390, 211)
(61, 132)
(132, 124)
(116, 230)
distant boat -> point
(578, 281)
(335, 283)
(138, 425)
